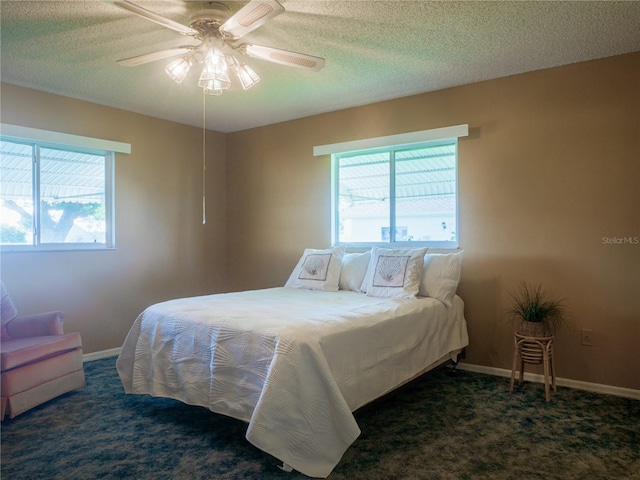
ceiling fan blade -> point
(154, 17)
(153, 56)
(284, 57)
(251, 16)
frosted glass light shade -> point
(178, 69)
(221, 82)
(213, 87)
(247, 76)
(215, 68)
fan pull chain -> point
(204, 158)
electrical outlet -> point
(587, 337)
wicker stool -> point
(534, 350)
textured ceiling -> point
(374, 50)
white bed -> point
(293, 363)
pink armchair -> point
(38, 360)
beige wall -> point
(551, 166)
(162, 249)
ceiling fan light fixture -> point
(178, 69)
(215, 61)
(221, 80)
(246, 75)
(213, 87)
(217, 31)
(215, 68)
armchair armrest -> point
(49, 323)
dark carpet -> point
(466, 426)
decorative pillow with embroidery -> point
(354, 268)
(440, 276)
(394, 273)
(318, 270)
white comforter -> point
(292, 363)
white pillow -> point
(440, 276)
(354, 268)
(394, 273)
(8, 310)
(318, 270)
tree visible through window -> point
(54, 196)
(397, 195)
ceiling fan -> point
(219, 32)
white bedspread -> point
(292, 363)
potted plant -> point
(535, 312)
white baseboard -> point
(88, 357)
(499, 372)
(562, 382)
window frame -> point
(38, 139)
(404, 141)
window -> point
(54, 197)
(401, 194)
